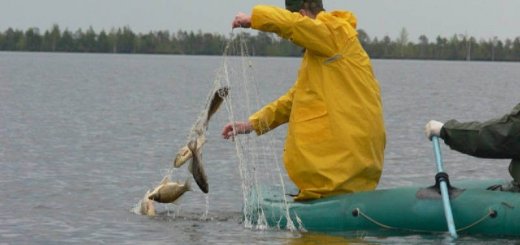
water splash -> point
(300, 224)
(136, 209)
(204, 216)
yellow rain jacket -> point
(336, 137)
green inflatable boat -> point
(417, 209)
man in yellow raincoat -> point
(336, 137)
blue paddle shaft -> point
(444, 189)
(437, 151)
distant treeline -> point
(124, 40)
(456, 47)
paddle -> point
(444, 189)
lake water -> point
(83, 136)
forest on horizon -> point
(124, 40)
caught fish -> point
(197, 169)
(185, 154)
(146, 205)
(216, 101)
(168, 191)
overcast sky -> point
(479, 18)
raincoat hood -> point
(349, 17)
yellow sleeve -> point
(273, 114)
(308, 33)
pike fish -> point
(197, 169)
(146, 205)
(184, 154)
(168, 191)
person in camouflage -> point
(497, 138)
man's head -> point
(313, 6)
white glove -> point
(433, 128)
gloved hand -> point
(433, 128)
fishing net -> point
(258, 158)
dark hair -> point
(314, 6)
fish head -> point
(223, 92)
(154, 196)
(147, 207)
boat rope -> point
(358, 211)
(490, 214)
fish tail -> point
(187, 184)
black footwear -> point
(509, 187)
